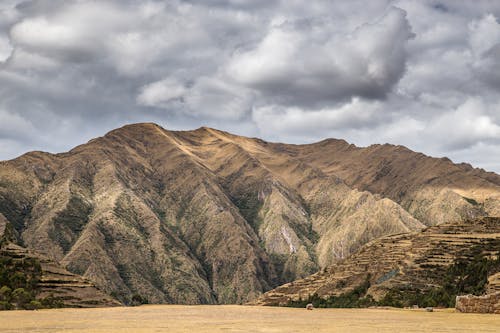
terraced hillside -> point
(48, 284)
(205, 216)
(403, 263)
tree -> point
(21, 297)
(18, 280)
(5, 294)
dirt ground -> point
(233, 318)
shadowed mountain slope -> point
(205, 216)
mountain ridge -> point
(205, 216)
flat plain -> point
(234, 318)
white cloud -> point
(5, 48)
(8, 12)
(477, 154)
(294, 121)
(20, 59)
(484, 38)
(219, 98)
(207, 96)
(40, 33)
(484, 34)
(161, 92)
(466, 126)
(75, 32)
(8, 15)
(308, 60)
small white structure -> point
(309, 306)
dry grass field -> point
(173, 318)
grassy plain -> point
(233, 318)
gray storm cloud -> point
(425, 74)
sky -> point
(424, 74)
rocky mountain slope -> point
(404, 265)
(433, 190)
(205, 216)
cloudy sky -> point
(424, 74)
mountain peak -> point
(136, 127)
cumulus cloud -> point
(356, 115)
(306, 61)
(421, 73)
(73, 32)
(207, 96)
(5, 48)
(468, 125)
(484, 34)
(218, 98)
(161, 92)
(20, 59)
(484, 38)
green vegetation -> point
(465, 276)
(356, 298)
(249, 206)
(19, 279)
(138, 300)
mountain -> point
(205, 216)
(426, 267)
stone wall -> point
(489, 303)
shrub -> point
(33, 305)
(18, 280)
(5, 293)
(138, 300)
(51, 302)
(21, 297)
(4, 305)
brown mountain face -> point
(433, 190)
(204, 216)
